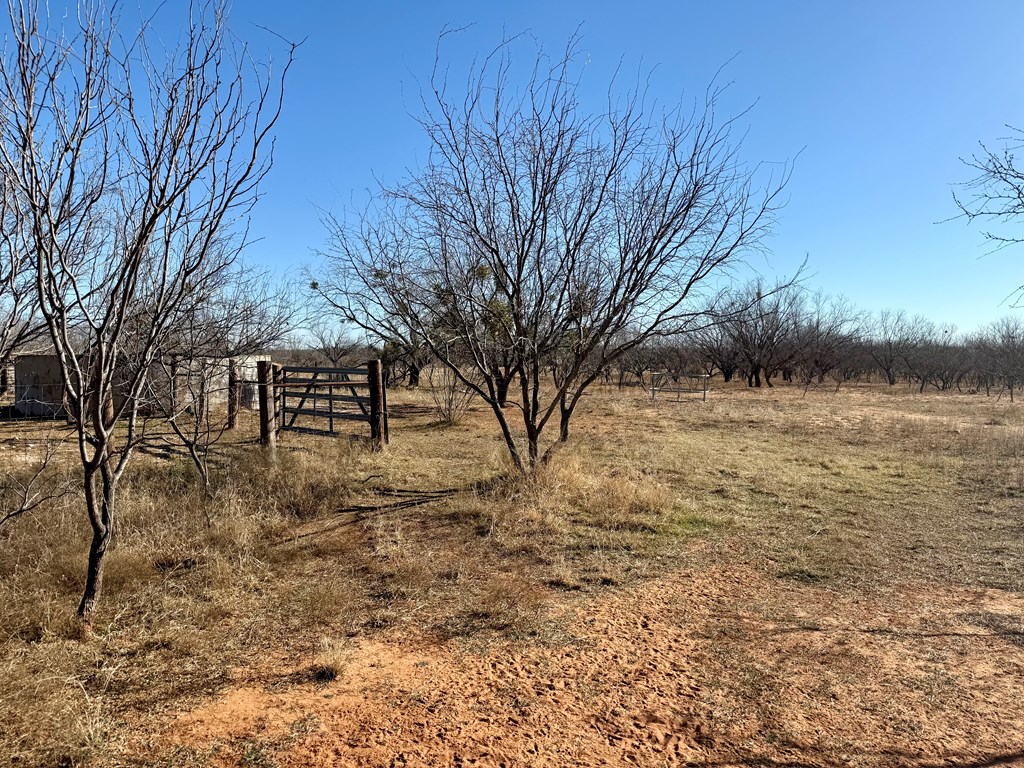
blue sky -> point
(875, 101)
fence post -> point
(234, 393)
(268, 403)
(384, 405)
(378, 414)
(330, 405)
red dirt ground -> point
(722, 665)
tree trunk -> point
(101, 518)
(501, 384)
(234, 394)
(93, 575)
(530, 385)
(565, 411)
(201, 404)
(564, 414)
(414, 375)
(510, 440)
(103, 413)
(533, 441)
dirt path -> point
(720, 666)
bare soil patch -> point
(716, 665)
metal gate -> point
(321, 398)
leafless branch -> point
(135, 166)
(20, 495)
(541, 242)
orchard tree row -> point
(809, 339)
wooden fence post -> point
(268, 403)
(234, 393)
(384, 405)
(378, 405)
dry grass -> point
(330, 662)
(293, 557)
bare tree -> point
(134, 163)
(763, 322)
(549, 240)
(996, 193)
(368, 310)
(678, 358)
(37, 484)
(638, 361)
(337, 345)
(935, 354)
(201, 358)
(890, 336)
(719, 351)
(999, 354)
(22, 328)
(827, 340)
(451, 398)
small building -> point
(6, 379)
(202, 383)
(38, 386)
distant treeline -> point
(811, 339)
(764, 335)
